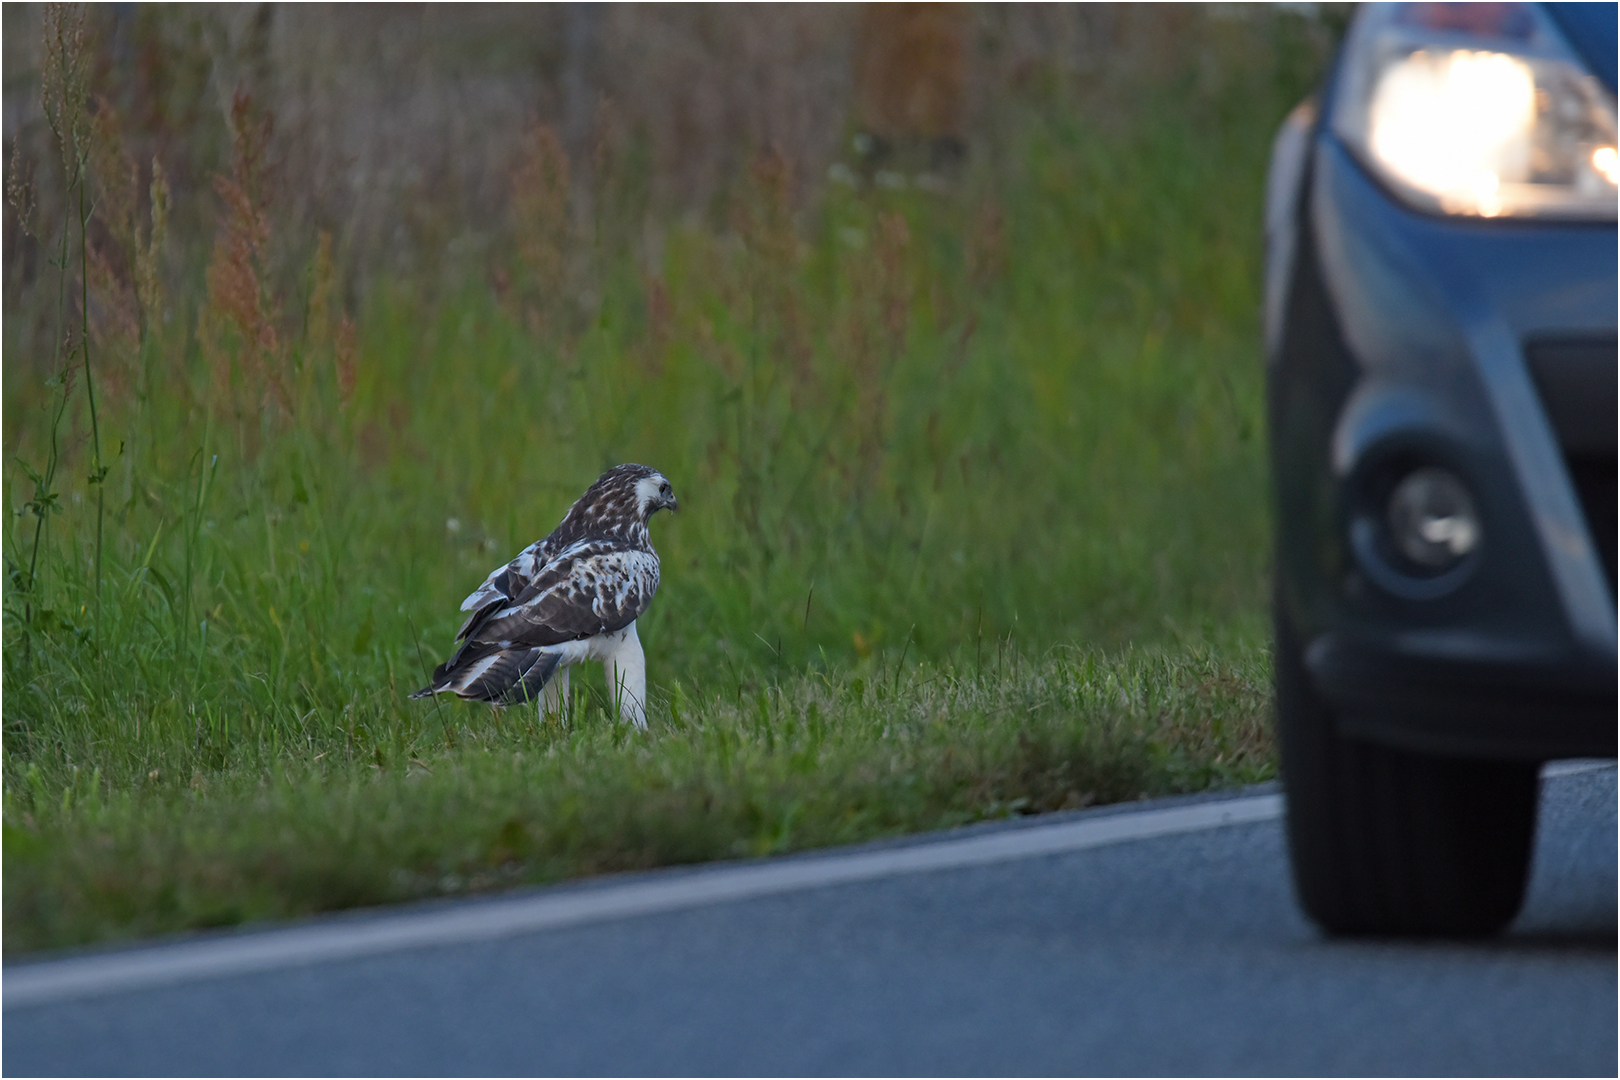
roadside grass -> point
(517, 799)
(973, 524)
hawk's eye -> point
(664, 488)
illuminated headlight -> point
(1432, 520)
(1478, 109)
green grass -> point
(973, 523)
(808, 763)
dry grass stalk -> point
(116, 176)
(116, 318)
(64, 85)
(20, 191)
(149, 253)
(346, 365)
(872, 335)
(236, 294)
(765, 222)
(328, 333)
(115, 324)
(323, 282)
(543, 224)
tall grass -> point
(972, 519)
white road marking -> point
(87, 976)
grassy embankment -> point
(973, 523)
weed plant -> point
(972, 516)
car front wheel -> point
(1386, 841)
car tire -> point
(1385, 841)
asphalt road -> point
(1155, 940)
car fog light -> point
(1432, 519)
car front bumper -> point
(1441, 692)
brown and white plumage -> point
(571, 597)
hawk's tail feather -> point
(541, 667)
(504, 677)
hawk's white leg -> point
(554, 698)
(627, 677)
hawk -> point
(571, 597)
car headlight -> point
(1478, 109)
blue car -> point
(1441, 364)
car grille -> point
(1578, 381)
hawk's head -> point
(621, 501)
(653, 492)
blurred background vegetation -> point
(942, 319)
